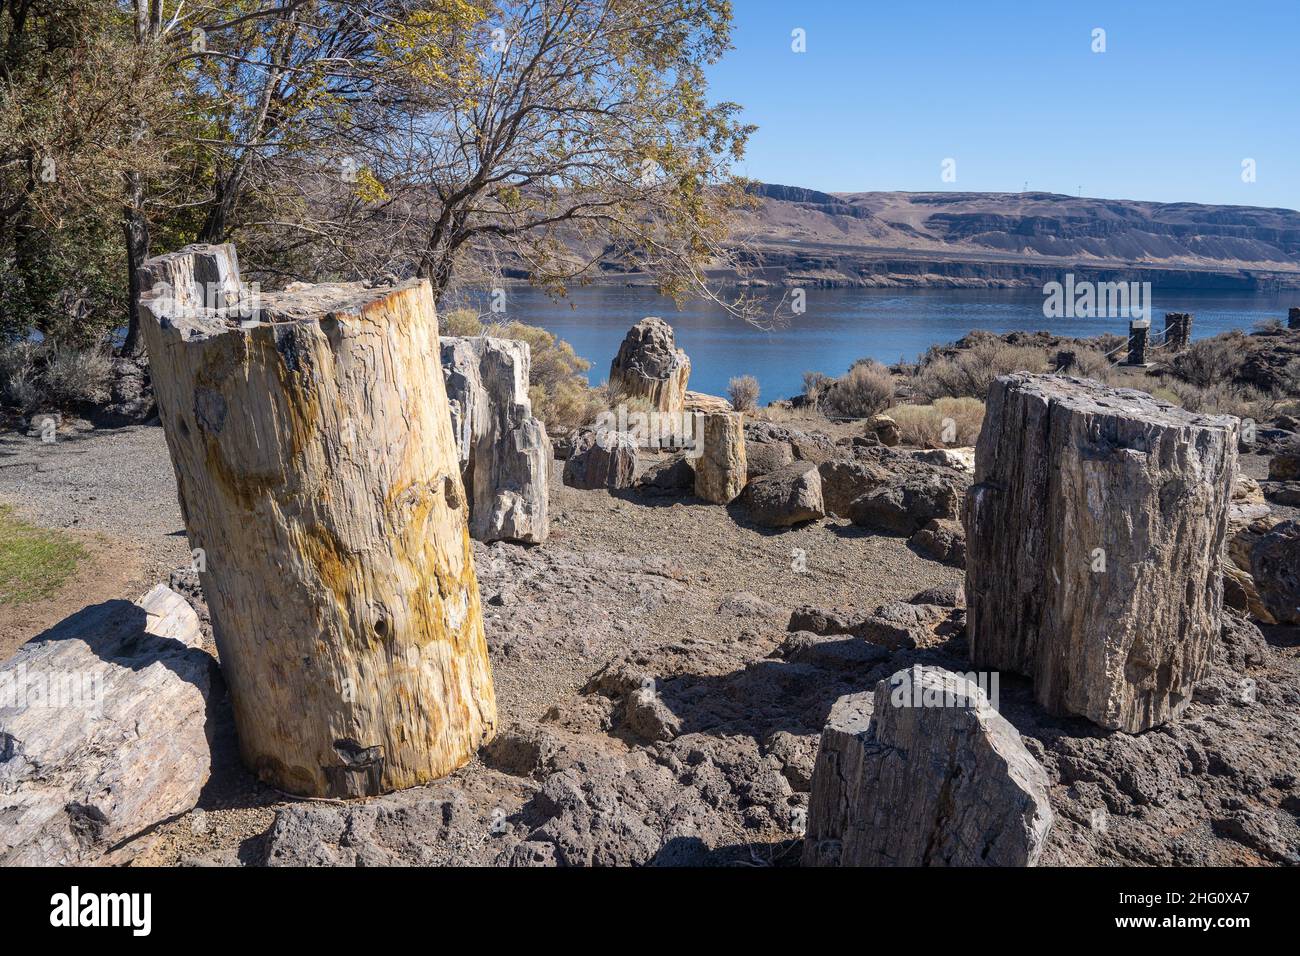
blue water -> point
(843, 325)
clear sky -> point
(1012, 91)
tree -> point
(583, 129)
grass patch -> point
(34, 562)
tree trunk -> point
(135, 229)
(1095, 533)
(318, 475)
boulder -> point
(720, 468)
(602, 459)
(959, 459)
(1094, 540)
(845, 479)
(1275, 569)
(504, 451)
(906, 505)
(942, 540)
(764, 457)
(924, 772)
(1285, 465)
(650, 365)
(884, 429)
(670, 475)
(103, 731)
(787, 496)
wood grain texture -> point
(317, 472)
(1095, 532)
(103, 731)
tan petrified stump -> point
(318, 475)
(721, 469)
(1094, 539)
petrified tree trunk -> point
(103, 731)
(649, 365)
(505, 455)
(924, 772)
(721, 469)
(1095, 532)
(317, 472)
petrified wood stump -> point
(1095, 532)
(721, 469)
(317, 472)
(649, 365)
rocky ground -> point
(664, 668)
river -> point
(842, 325)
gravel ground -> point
(620, 574)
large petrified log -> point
(318, 475)
(720, 467)
(924, 772)
(650, 365)
(1095, 533)
(504, 451)
(103, 731)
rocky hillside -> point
(800, 236)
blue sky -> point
(1013, 92)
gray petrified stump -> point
(103, 731)
(505, 454)
(649, 365)
(1094, 539)
(924, 772)
(311, 439)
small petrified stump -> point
(721, 469)
(319, 482)
(650, 365)
(924, 772)
(602, 458)
(103, 731)
(1094, 538)
(505, 454)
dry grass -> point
(948, 422)
(970, 373)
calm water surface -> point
(842, 325)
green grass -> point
(34, 562)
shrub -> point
(557, 385)
(18, 375)
(865, 390)
(743, 392)
(926, 426)
(76, 376)
(1089, 363)
(815, 385)
(33, 374)
(1211, 361)
(460, 322)
(969, 373)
